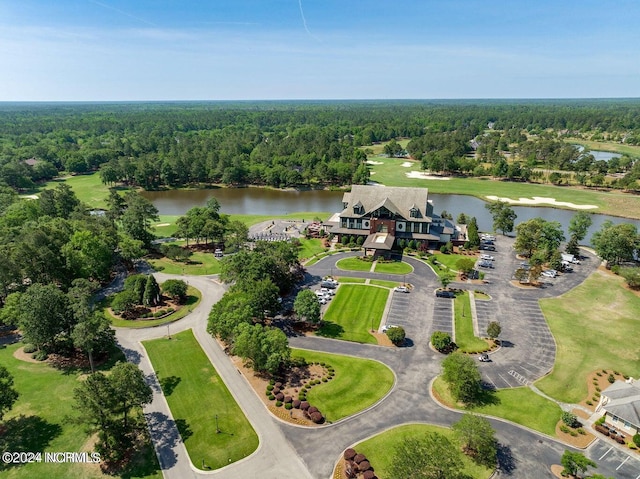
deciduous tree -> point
(503, 216)
(477, 438)
(8, 394)
(616, 243)
(574, 462)
(462, 375)
(430, 457)
(306, 306)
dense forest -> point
(282, 144)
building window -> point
(413, 212)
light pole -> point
(217, 428)
(168, 333)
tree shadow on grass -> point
(330, 329)
(169, 384)
(506, 461)
(27, 434)
(184, 429)
(486, 397)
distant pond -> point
(262, 201)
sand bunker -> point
(425, 176)
(540, 200)
(163, 224)
(407, 164)
(371, 162)
(29, 197)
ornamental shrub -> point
(288, 405)
(278, 403)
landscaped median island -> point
(198, 263)
(354, 312)
(466, 340)
(214, 429)
(378, 451)
(364, 263)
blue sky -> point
(317, 49)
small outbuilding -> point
(620, 403)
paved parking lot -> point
(612, 462)
(399, 312)
(442, 315)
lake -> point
(600, 155)
(262, 201)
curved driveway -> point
(289, 451)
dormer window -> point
(413, 212)
(358, 209)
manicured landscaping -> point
(45, 419)
(383, 283)
(380, 449)
(193, 299)
(197, 395)
(199, 263)
(451, 260)
(519, 405)
(466, 340)
(357, 384)
(354, 264)
(354, 311)
(397, 267)
(346, 279)
(310, 247)
(391, 173)
(592, 325)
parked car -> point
(550, 273)
(485, 264)
(486, 257)
(401, 289)
(322, 300)
(484, 358)
(487, 247)
(486, 236)
(388, 326)
(328, 292)
(440, 293)
(217, 253)
(329, 283)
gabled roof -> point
(398, 200)
(623, 401)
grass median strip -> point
(199, 264)
(396, 267)
(200, 402)
(354, 311)
(465, 338)
(354, 264)
(357, 385)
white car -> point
(387, 327)
(322, 300)
(328, 292)
(401, 289)
(550, 273)
(486, 257)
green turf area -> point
(397, 267)
(450, 260)
(196, 395)
(519, 405)
(354, 311)
(592, 325)
(383, 283)
(310, 247)
(380, 449)
(45, 419)
(166, 226)
(346, 279)
(391, 173)
(466, 341)
(354, 264)
(373, 379)
(193, 299)
(199, 264)
(378, 148)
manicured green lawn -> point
(310, 247)
(520, 405)
(199, 264)
(353, 312)
(380, 449)
(465, 339)
(193, 299)
(373, 379)
(397, 267)
(391, 173)
(354, 264)
(631, 150)
(45, 419)
(346, 279)
(592, 325)
(196, 395)
(450, 260)
(383, 283)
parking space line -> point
(608, 451)
(622, 463)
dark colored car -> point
(445, 294)
(487, 247)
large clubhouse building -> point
(383, 215)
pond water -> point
(261, 201)
(600, 155)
